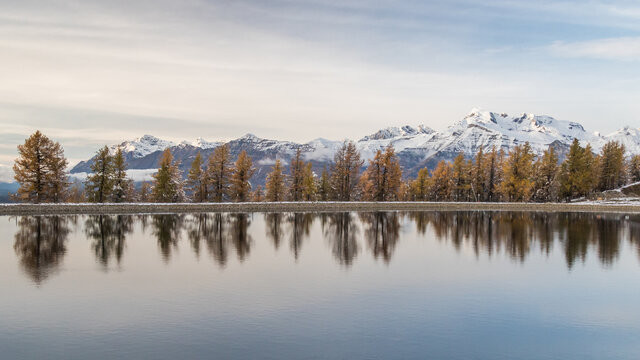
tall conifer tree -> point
(219, 173)
(40, 170)
(197, 181)
(517, 183)
(383, 177)
(167, 186)
(296, 177)
(242, 173)
(276, 183)
(99, 184)
(122, 185)
(345, 171)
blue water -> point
(431, 285)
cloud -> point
(6, 174)
(268, 161)
(92, 73)
(133, 174)
(623, 48)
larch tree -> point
(296, 177)
(383, 177)
(478, 176)
(40, 170)
(460, 177)
(197, 181)
(324, 185)
(99, 184)
(243, 171)
(122, 185)
(545, 176)
(275, 183)
(517, 183)
(493, 174)
(167, 186)
(219, 171)
(58, 187)
(441, 182)
(634, 168)
(612, 166)
(577, 176)
(419, 188)
(345, 171)
(309, 185)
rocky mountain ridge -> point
(417, 147)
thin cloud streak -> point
(626, 48)
(297, 70)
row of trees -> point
(521, 176)
(488, 176)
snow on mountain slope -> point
(323, 149)
(202, 144)
(487, 129)
(143, 146)
(627, 136)
(401, 138)
(416, 147)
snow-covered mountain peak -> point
(423, 129)
(627, 136)
(395, 132)
(202, 144)
(144, 145)
(250, 137)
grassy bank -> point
(52, 209)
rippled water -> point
(444, 285)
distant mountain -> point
(417, 147)
(6, 189)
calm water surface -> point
(441, 285)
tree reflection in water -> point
(40, 244)
(239, 234)
(167, 229)
(299, 228)
(108, 233)
(341, 231)
(273, 225)
(40, 241)
(382, 231)
(218, 231)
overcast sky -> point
(89, 73)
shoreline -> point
(154, 208)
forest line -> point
(488, 176)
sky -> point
(91, 72)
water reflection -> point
(40, 240)
(40, 244)
(167, 229)
(341, 231)
(239, 236)
(382, 231)
(108, 233)
(299, 229)
(273, 226)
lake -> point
(386, 285)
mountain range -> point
(417, 147)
